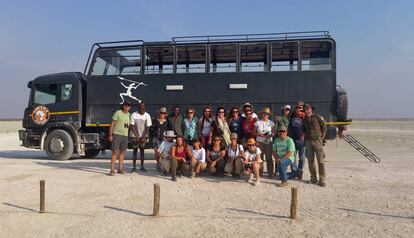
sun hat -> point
(282, 128)
(163, 110)
(169, 134)
(265, 110)
(251, 141)
(233, 136)
(286, 107)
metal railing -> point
(252, 37)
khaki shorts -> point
(119, 143)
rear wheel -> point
(59, 145)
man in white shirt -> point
(165, 151)
(140, 124)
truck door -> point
(54, 101)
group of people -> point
(237, 143)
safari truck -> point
(70, 112)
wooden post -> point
(156, 200)
(42, 196)
(294, 202)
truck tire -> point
(91, 153)
(341, 104)
(59, 145)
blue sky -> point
(375, 40)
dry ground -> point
(362, 198)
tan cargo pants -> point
(312, 148)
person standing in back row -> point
(295, 132)
(314, 130)
(118, 135)
(140, 124)
(175, 121)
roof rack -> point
(253, 37)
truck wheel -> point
(341, 104)
(59, 145)
(90, 154)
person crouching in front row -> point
(252, 161)
(164, 151)
(197, 161)
(215, 157)
(234, 155)
(178, 157)
(284, 153)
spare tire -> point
(341, 104)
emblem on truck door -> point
(128, 93)
(40, 115)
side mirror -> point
(30, 84)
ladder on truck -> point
(361, 149)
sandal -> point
(112, 172)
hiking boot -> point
(322, 184)
(282, 184)
(300, 174)
(120, 171)
(313, 181)
(112, 172)
(174, 178)
(134, 170)
(143, 169)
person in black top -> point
(159, 126)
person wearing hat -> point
(159, 126)
(265, 131)
(314, 130)
(252, 161)
(118, 135)
(140, 124)
(248, 126)
(295, 132)
(284, 119)
(164, 150)
(248, 107)
(234, 152)
(284, 153)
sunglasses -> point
(221, 112)
(163, 113)
(251, 145)
(190, 112)
(235, 112)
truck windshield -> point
(113, 61)
(45, 94)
